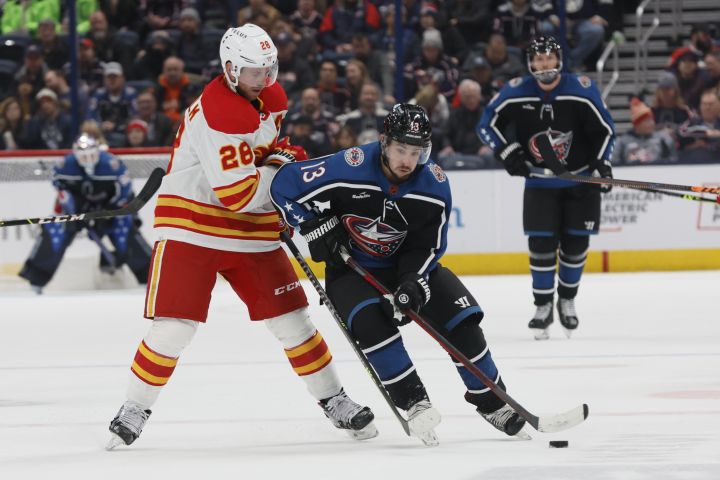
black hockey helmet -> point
(547, 45)
(409, 124)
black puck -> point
(558, 444)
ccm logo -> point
(287, 288)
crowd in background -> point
(142, 62)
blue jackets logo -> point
(373, 236)
(354, 156)
(561, 143)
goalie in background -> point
(89, 179)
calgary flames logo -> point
(373, 236)
(561, 143)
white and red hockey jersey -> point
(213, 194)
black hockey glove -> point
(324, 237)
(605, 171)
(513, 158)
(412, 293)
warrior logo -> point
(354, 156)
(561, 143)
(373, 236)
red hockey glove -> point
(285, 153)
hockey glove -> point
(412, 293)
(324, 237)
(66, 202)
(388, 307)
(604, 170)
(285, 153)
(513, 158)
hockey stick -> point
(134, 206)
(343, 326)
(550, 158)
(684, 196)
(547, 424)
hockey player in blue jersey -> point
(388, 205)
(89, 179)
(558, 215)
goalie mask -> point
(409, 124)
(252, 57)
(545, 45)
(87, 152)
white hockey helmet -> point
(87, 152)
(248, 46)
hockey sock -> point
(573, 255)
(543, 260)
(156, 358)
(307, 352)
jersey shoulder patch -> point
(584, 81)
(516, 82)
(354, 156)
(274, 98)
(227, 112)
(437, 172)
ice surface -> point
(646, 358)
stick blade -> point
(152, 185)
(563, 421)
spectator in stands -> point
(324, 123)
(113, 105)
(306, 19)
(586, 23)
(505, 65)
(344, 19)
(191, 48)
(472, 17)
(462, 140)
(125, 13)
(159, 15)
(700, 42)
(432, 64)
(255, 8)
(24, 16)
(376, 62)
(54, 50)
(173, 84)
(92, 128)
(103, 37)
(369, 117)
(33, 69)
(669, 108)
(702, 133)
(83, 11)
(91, 70)
(136, 134)
(517, 21)
(306, 48)
(160, 129)
(411, 41)
(49, 128)
(11, 124)
(453, 42)
(355, 77)
(345, 138)
(479, 69)
(26, 96)
(295, 72)
(305, 135)
(55, 80)
(333, 96)
(149, 62)
(691, 79)
(712, 66)
(643, 144)
(437, 109)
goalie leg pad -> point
(307, 352)
(156, 358)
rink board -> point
(639, 230)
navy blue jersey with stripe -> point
(401, 226)
(107, 186)
(573, 113)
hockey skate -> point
(541, 322)
(507, 421)
(349, 416)
(125, 428)
(568, 316)
(422, 420)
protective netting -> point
(39, 168)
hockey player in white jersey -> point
(214, 216)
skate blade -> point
(523, 435)
(568, 332)
(428, 438)
(540, 334)
(425, 421)
(114, 441)
(365, 433)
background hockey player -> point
(214, 216)
(389, 205)
(557, 214)
(89, 179)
